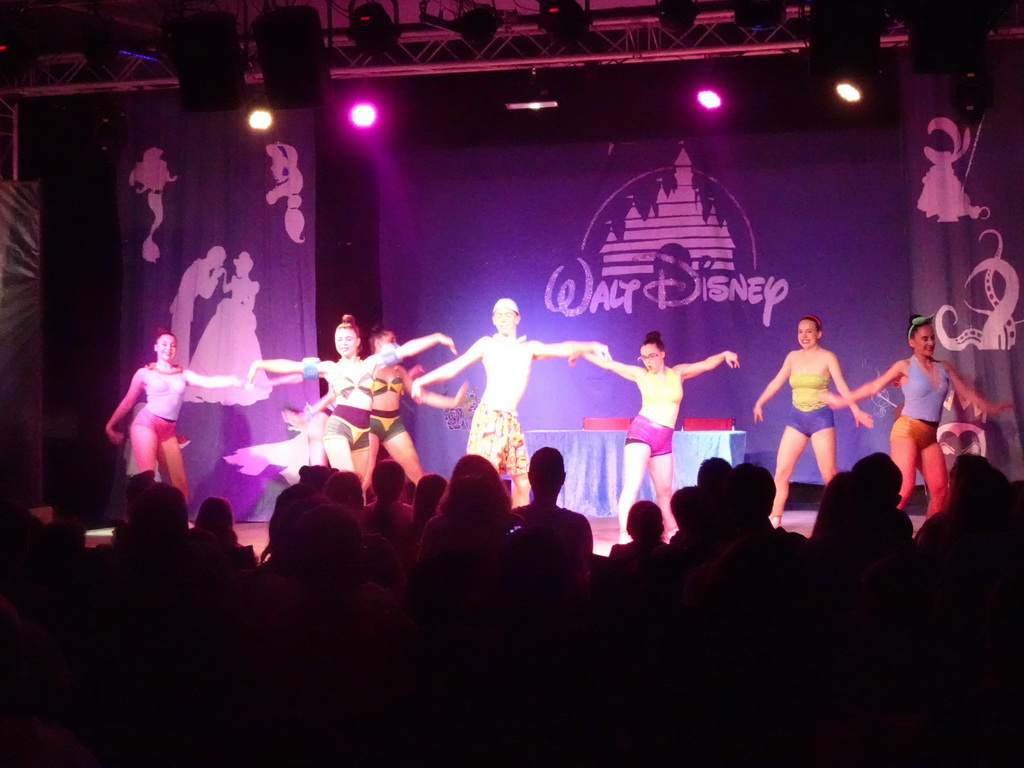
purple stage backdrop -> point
(965, 199)
(720, 243)
(218, 248)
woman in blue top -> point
(926, 384)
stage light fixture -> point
(564, 20)
(205, 54)
(534, 95)
(677, 16)
(371, 28)
(709, 99)
(759, 14)
(845, 38)
(292, 56)
(260, 118)
(848, 91)
(971, 95)
(478, 26)
(363, 115)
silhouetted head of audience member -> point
(644, 523)
(1017, 512)
(876, 482)
(980, 499)
(281, 530)
(345, 488)
(329, 546)
(748, 495)
(429, 490)
(315, 476)
(137, 484)
(838, 505)
(547, 471)
(474, 492)
(388, 480)
(158, 519)
(696, 514)
(216, 517)
(475, 488)
(711, 475)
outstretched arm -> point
(861, 418)
(895, 371)
(290, 367)
(134, 390)
(631, 372)
(689, 370)
(194, 379)
(433, 399)
(773, 387)
(449, 370)
(968, 393)
(569, 349)
(392, 354)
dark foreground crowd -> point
(456, 631)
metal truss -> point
(615, 36)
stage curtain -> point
(218, 233)
(21, 421)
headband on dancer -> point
(813, 318)
(917, 321)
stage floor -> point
(606, 530)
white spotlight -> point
(260, 119)
(848, 91)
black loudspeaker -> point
(292, 56)
(844, 39)
(947, 37)
(205, 55)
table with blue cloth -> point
(593, 463)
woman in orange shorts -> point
(926, 384)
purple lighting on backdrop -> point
(363, 115)
(709, 99)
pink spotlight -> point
(363, 115)
(709, 99)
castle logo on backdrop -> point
(942, 191)
(668, 237)
(999, 329)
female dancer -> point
(808, 370)
(926, 383)
(386, 427)
(152, 432)
(649, 440)
(347, 433)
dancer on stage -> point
(386, 427)
(808, 371)
(926, 383)
(649, 440)
(347, 432)
(495, 433)
(154, 442)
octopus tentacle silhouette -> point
(284, 164)
(999, 330)
(149, 176)
(942, 193)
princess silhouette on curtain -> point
(229, 343)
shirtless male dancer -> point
(495, 433)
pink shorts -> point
(657, 436)
(164, 428)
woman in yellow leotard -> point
(350, 379)
(386, 427)
(808, 371)
(649, 440)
